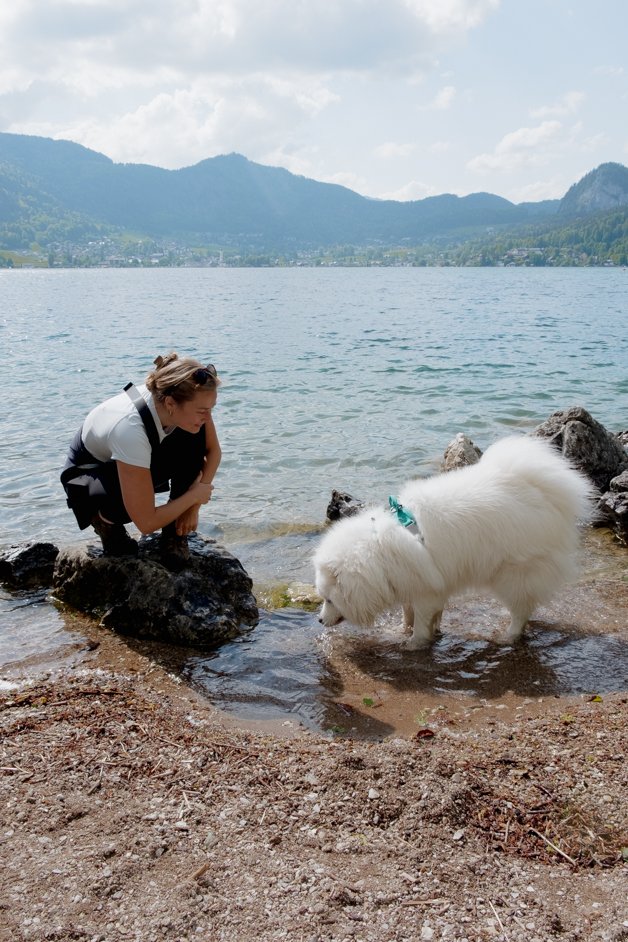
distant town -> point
(110, 253)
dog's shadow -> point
(550, 660)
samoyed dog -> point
(508, 524)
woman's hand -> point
(139, 499)
(201, 490)
(188, 522)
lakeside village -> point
(111, 253)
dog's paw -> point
(417, 644)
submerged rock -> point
(206, 604)
(28, 567)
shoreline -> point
(355, 682)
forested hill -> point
(57, 193)
(46, 185)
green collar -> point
(405, 518)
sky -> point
(395, 99)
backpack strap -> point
(146, 415)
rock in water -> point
(460, 452)
(206, 604)
(614, 504)
(586, 444)
(28, 567)
(342, 505)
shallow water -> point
(290, 671)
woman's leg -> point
(179, 460)
(93, 494)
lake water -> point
(332, 378)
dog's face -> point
(329, 614)
(354, 564)
(327, 588)
(345, 597)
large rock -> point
(206, 604)
(614, 504)
(460, 452)
(586, 444)
(28, 567)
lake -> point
(354, 379)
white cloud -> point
(247, 115)
(352, 181)
(567, 105)
(526, 146)
(393, 149)
(410, 191)
(616, 71)
(172, 81)
(444, 98)
(453, 14)
(551, 189)
(230, 36)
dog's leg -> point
(518, 622)
(435, 623)
(520, 590)
(408, 619)
(425, 625)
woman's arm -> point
(139, 498)
(214, 452)
(187, 522)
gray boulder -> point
(206, 604)
(460, 452)
(342, 505)
(28, 567)
(586, 444)
(614, 504)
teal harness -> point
(405, 518)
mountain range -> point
(57, 190)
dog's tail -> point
(539, 464)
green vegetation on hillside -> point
(64, 205)
(601, 239)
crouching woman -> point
(156, 437)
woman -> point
(155, 438)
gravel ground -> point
(130, 810)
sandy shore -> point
(133, 811)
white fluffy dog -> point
(508, 524)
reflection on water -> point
(292, 668)
(278, 671)
(31, 627)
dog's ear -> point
(361, 604)
(326, 575)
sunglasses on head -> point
(205, 374)
(201, 376)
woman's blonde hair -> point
(180, 377)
